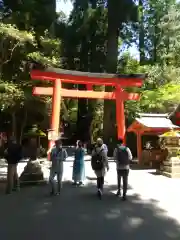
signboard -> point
(52, 135)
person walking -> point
(57, 156)
(79, 165)
(122, 157)
(99, 163)
(13, 155)
(104, 146)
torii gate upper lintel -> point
(59, 76)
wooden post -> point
(56, 108)
(120, 118)
(139, 146)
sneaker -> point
(118, 194)
(59, 191)
(124, 198)
(52, 193)
(99, 193)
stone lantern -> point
(170, 141)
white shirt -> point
(118, 165)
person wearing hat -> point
(104, 146)
(57, 156)
(99, 163)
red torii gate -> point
(119, 81)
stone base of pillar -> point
(171, 168)
(32, 173)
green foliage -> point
(96, 128)
(160, 99)
(89, 40)
(169, 44)
(34, 131)
(49, 54)
(11, 32)
(19, 47)
(11, 97)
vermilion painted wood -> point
(178, 122)
(89, 87)
(86, 94)
(120, 118)
(52, 76)
(56, 108)
(177, 114)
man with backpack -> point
(122, 157)
(99, 163)
(104, 146)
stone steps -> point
(170, 174)
(170, 169)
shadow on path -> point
(78, 214)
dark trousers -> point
(123, 173)
(100, 182)
(12, 178)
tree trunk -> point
(23, 126)
(141, 34)
(109, 121)
(14, 130)
(94, 67)
(82, 124)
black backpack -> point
(97, 162)
(122, 155)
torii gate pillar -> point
(56, 108)
(120, 117)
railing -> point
(153, 155)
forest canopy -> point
(95, 37)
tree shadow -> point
(78, 214)
(110, 187)
(156, 173)
(91, 178)
(136, 166)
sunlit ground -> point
(152, 210)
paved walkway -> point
(152, 211)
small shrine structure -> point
(150, 125)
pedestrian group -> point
(99, 162)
